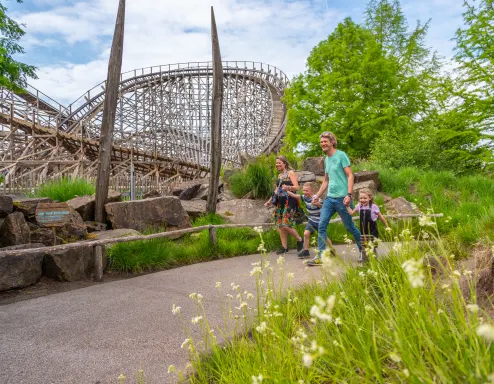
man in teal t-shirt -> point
(338, 181)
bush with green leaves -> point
(65, 189)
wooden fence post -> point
(212, 236)
(98, 262)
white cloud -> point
(278, 32)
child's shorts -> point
(311, 227)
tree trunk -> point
(109, 111)
(214, 178)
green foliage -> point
(257, 176)
(65, 189)
(475, 56)
(13, 73)
(361, 81)
(396, 332)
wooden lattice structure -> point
(162, 127)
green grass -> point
(157, 254)
(382, 330)
(65, 189)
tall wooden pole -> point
(214, 175)
(109, 111)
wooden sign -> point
(52, 214)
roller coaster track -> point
(162, 125)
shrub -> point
(65, 189)
(257, 176)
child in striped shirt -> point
(314, 211)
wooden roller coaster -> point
(162, 128)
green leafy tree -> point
(362, 81)
(13, 74)
(475, 56)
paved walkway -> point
(93, 334)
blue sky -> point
(69, 41)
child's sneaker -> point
(282, 251)
(304, 254)
(361, 257)
(300, 245)
(315, 262)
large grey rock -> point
(190, 193)
(305, 177)
(84, 205)
(369, 185)
(400, 206)
(27, 206)
(150, 213)
(241, 211)
(363, 176)
(18, 271)
(69, 265)
(178, 188)
(194, 208)
(315, 165)
(6, 206)
(114, 233)
(73, 230)
(151, 194)
(14, 230)
(94, 226)
(45, 236)
(481, 263)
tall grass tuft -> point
(257, 177)
(65, 189)
(389, 321)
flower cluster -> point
(413, 268)
(323, 309)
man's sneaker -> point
(300, 245)
(315, 262)
(282, 251)
(304, 254)
(360, 257)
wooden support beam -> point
(216, 110)
(109, 112)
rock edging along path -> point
(93, 334)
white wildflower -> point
(171, 369)
(388, 229)
(322, 310)
(308, 359)
(473, 308)
(467, 272)
(257, 380)
(229, 296)
(457, 273)
(184, 344)
(250, 296)
(395, 357)
(337, 321)
(218, 284)
(193, 296)
(486, 331)
(258, 229)
(406, 372)
(425, 221)
(199, 297)
(280, 260)
(361, 274)
(397, 247)
(175, 309)
(256, 271)
(425, 235)
(439, 311)
(261, 247)
(368, 308)
(335, 343)
(261, 328)
(196, 319)
(413, 269)
(290, 275)
(234, 287)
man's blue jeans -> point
(329, 207)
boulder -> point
(203, 192)
(177, 188)
(74, 229)
(94, 226)
(114, 233)
(70, 264)
(190, 193)
(401, 206)
(305, 177)
(194, 208)
(28, 206)
(150, 213)
(240, 211)
(151, 194)
(6, 206)
(362, 176)
(84, 205)
(45, 236)
(18, 271)
(14, 230)
(369, 184)
(314, 165)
